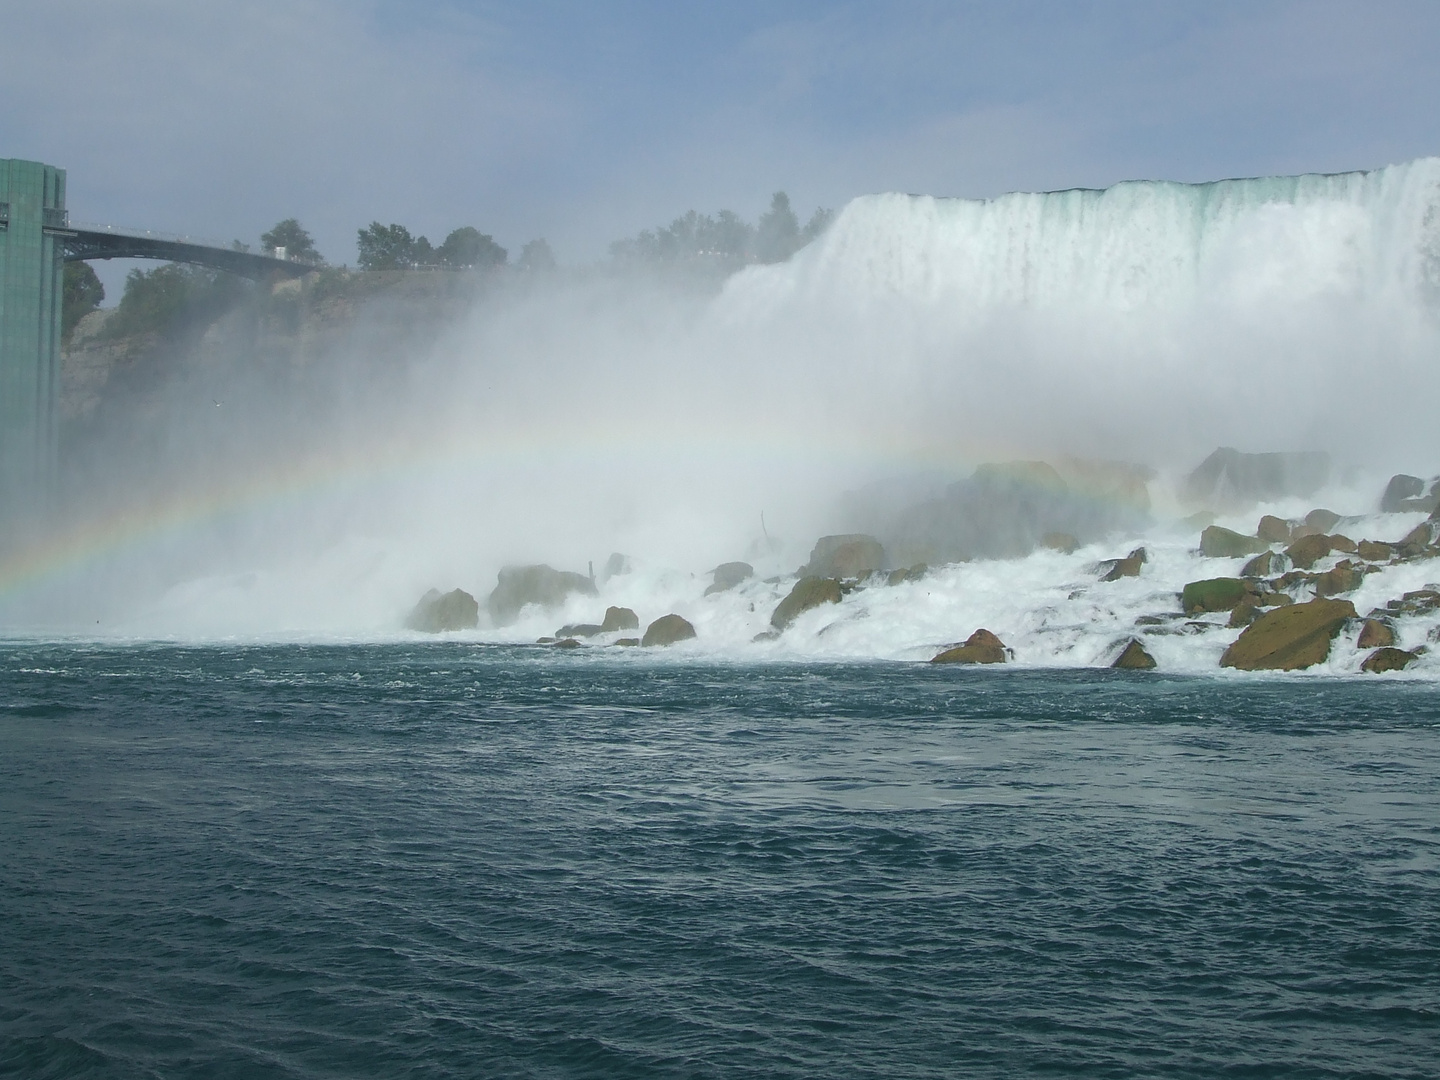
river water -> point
(449, 859)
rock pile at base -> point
(981, 647)
(1289, 638)
(518, 586)
(437, 612)
(667, 630)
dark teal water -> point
(455, 861)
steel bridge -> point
(36, 240)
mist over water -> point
(570, 416)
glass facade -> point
(32, 225)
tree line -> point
(718, 243)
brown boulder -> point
(1134, 658)
(1214, 594)
(1244, 613)
(850, 555)
(1416, 540)
(1342, 579)
(1273, 530)
(436, 613)
(1288, 638)
(809, 592)
(1262, 565)
(573, 630)
(1343, 544)
(1221, 543)
(1374, 551)
(909, 573)
(1308, 550)
(619, 618)
(1375, 634)
(517, 586)
(1126, 567)
(1322, 520)
(981, 647)
(727, 575)
(1386, 659)
(667, 630)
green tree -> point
(291, 235)
(536, 257)
(386, 247)
(468, 246)
(171, 298)
(83, 293)
(777, 235)
(818, 223)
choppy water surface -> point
(449, 860)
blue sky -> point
(584, 122)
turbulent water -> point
(451, 860)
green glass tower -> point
(32, 228)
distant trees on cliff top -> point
(391, 247)
(725, 241)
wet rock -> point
(981, 647)
(1273, 599)
(566, 643)
(1059, 541)
(1386, 659)
(579, 630)
(851, 555)
(616, 565)
(1273, 530)
(1244, 612)
(1400, 490)
(1115, 569)
(517, 586)
(437, 612)
(1289, 638)
(1308, 550)
(1341, 579)
(619, 618)
(1374, 551)
(628, 642)
(667, 630)
(1214, 594)
(809, 592)
(727, 575)
(1006, 510)
(1417, 541)
(909, 573)
(1134, 658)
(1343, 544)
(1415, 602)
(1217, 542)
(1321, 520)
(1262, 565)
(1375, 634)
(1230, 478)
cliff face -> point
(220, 387)
(278, 329)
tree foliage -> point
(536, 257)
(467, 246)
(391, 247)
(82, 294)
(171, 298)
(291, 235)
(724, 242)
